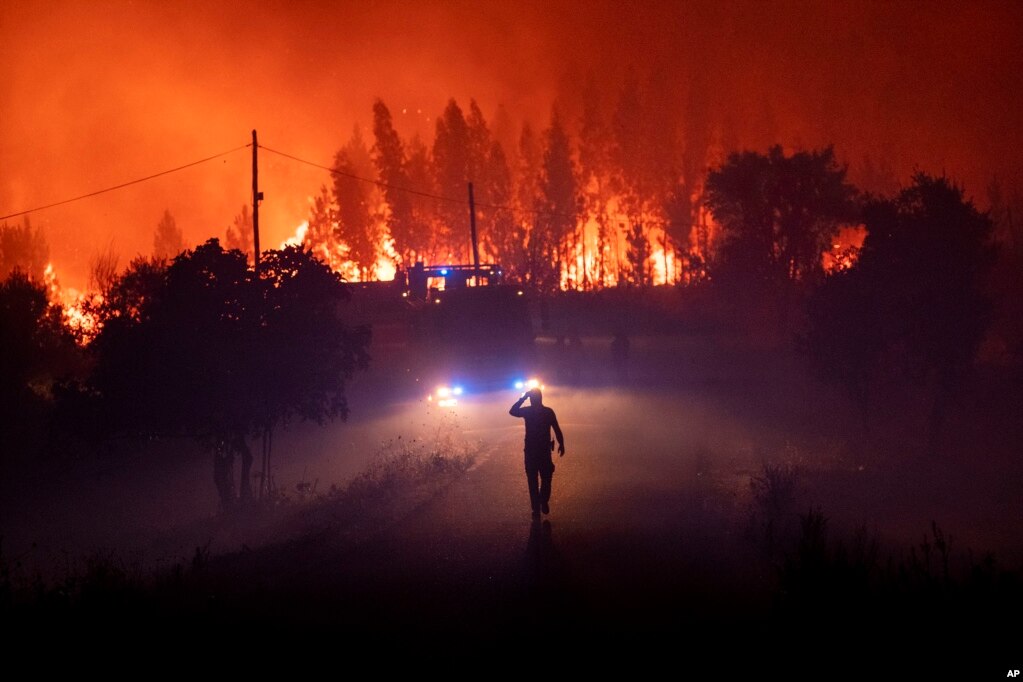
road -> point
(636, 530)
(647, 533)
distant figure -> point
(620, 355)
(538, 448)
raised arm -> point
(516, 409)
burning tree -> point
(452, 168)
(499, 229)
(594, 172)
(559, 202)
(358, 225)
(392, 165)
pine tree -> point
(168, 240)
(357, 224)
(559, 187)
(422, 235)
(390, 162)
(23, 248)
(451, 159)
(239, 233)
(594, 175)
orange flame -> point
(845, 250)
(77, 308)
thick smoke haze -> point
(93, 94)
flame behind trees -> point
(356, 204)
(454, 167)
(914, 304)
(392, 165)
(563, 210)
(23, 248)
(33, 337)
(239, 233)
(779, 213)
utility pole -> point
(475, 245)
(257, 196)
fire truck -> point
(458, 329)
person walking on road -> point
(540, 419)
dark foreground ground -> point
(718, 516)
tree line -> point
(916, 300)
(199, 346)
(623, 193)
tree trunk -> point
(245, 484)
(266, 480)
(223, 474)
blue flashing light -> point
(457, 390)
(520, 384)
(444, 271)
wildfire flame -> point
(845, 250)
(298, 238)
(76, 307)
(385, 266)
(384, 269)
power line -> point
(333, 171)
(125, 184)
(378, 183)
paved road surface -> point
(633, 540)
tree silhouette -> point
(239, 235)
(358, 227)
(555, 224)
(103, 269)
(305, 351)
(499, 231)
(202, 348)
(422, 236)
(32, 336)
(595, 144)
(168, 240)
(322, 234)
(23, 248)
(452, 166)
(779, 213)
(532, 264)
(390, 161)
(915, 301)
(680, 211)
(638, 255)
(479, 145)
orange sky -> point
(96, 93)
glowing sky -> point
(96, 93)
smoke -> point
(93, 94)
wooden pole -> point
(475, 244)
(256, 197)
